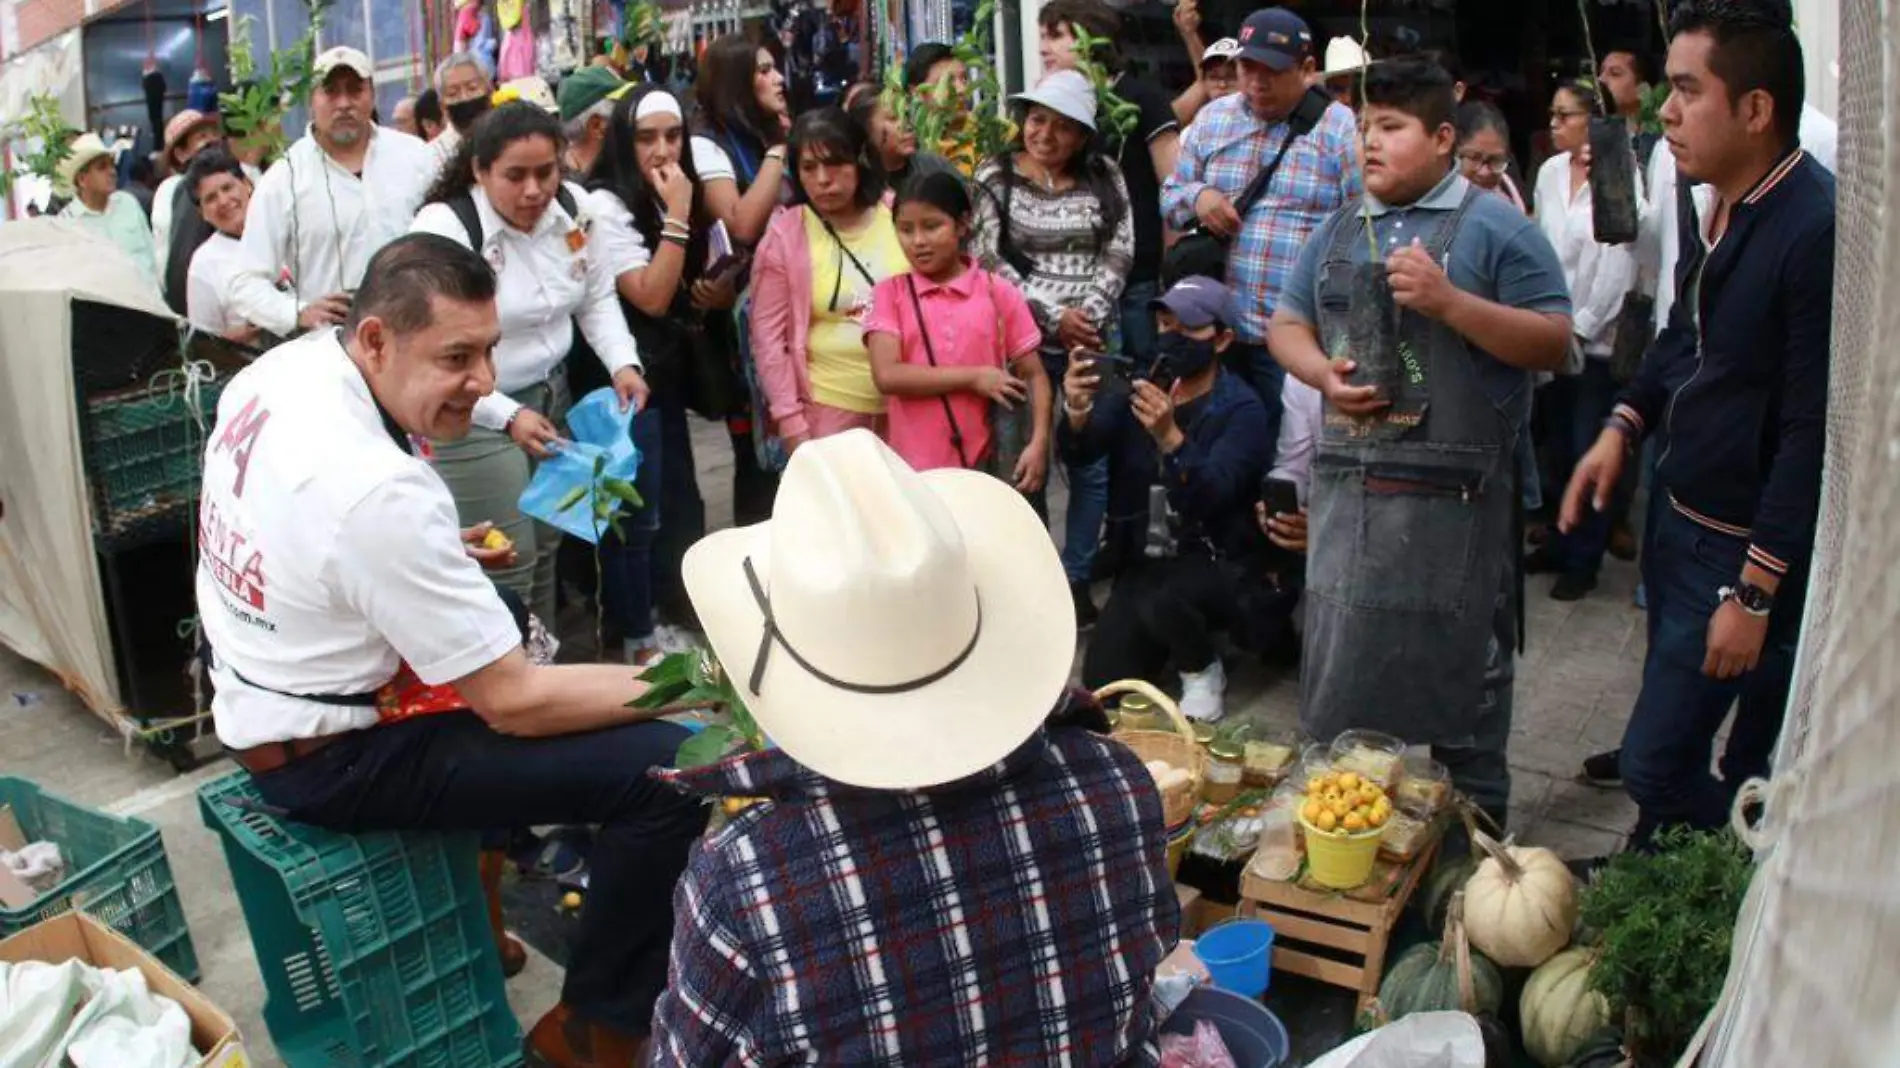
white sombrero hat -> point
(1344, 56)
(886, 628)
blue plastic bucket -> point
(1254, 1036)
(1238, 955)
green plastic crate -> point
(375, 948)
(119, 874)
(144, 455)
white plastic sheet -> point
(1423, 1040)
(52, 1015)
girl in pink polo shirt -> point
(979, 349)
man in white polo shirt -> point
(331, 559)
(339, 194)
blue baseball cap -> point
(1275, 37)
(1197, 301)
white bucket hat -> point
(888, 629)
(1067, 93)
(1344, 56)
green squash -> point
(1558, 1011)
(1427, 978)
(1447, 878)
(1604, 1049)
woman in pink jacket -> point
(812, 278)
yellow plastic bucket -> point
(1340, 859)
(1177, 847)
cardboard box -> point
(77, 935)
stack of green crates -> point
(144, 455)
(375, 948)
(116, 871)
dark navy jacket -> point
(1212, 480)
(1736, 386)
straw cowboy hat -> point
(888, 629)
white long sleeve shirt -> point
(162, 216)
(546, 282)
(1300, 422)
(1599, 275)
(313, 218)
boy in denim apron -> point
(1424, 359)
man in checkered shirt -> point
(940, 871)
(1227, 145)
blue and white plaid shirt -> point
(1224, 148)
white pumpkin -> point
(1520, 905)
(1558, 1010)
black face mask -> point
(1186, 356)
(462, 115)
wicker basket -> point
(1176, 747)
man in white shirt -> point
(463, 86)
(220, 191)
(339, 194)
(331, 563)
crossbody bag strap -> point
(1299, 124)
(837, 284)
(930, 353)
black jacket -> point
(1736, 386)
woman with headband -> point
(654, 233)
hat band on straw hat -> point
(773, 636)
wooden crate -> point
(1358, 923)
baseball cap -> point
(1067, 93)
(1226, 49)
(584, 88)
(342, 56)
(1197, 301)
(1275, 37)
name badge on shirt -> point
(576, 239)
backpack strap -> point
(464, 208)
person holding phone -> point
(1193, 440)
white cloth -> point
(1819, 136)
(710, 160)
(545, 284)
(328, 553)
(617, 243)
(323, 223)
(37, 864)
(74, 1013)
(208, 282)
(1303, 410)
(1599, 275)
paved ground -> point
(1575, 687)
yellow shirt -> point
(840, 299)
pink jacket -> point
(781, 320)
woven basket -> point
(1176, 747)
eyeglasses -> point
(1478, 161)
(1566, 114)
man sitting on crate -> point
(942, 872)
(322, 568)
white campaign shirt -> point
(314, 217)
(615, 239)
(546, 281)
(1599, 275)
(328, 553)
(208, 284)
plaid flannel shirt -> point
(1224, 148)
(1014, 918)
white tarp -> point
(51, 608)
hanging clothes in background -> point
(568, 50)
(517, 41)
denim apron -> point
(1411, 514)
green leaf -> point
(570, 498)
(621, 488)
(707, 747)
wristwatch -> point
(1752, 598)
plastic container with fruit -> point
(1425, 788)
(1371, 755)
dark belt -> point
(269, 757)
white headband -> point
(658, 102)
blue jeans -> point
(626, 580)
(1586, 401)
(1088, 495)
(450, 771)
(1671, 734)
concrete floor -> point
(1575, 687)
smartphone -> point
(727, 264)
(1161, 373)
(1280, 496)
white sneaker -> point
(1202, 693)
(671, 639)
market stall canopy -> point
(51, 609)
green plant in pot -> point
(1666, 920)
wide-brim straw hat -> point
(886, 628)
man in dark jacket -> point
(1192, 442)
(1736, 390)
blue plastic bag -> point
(599, 429)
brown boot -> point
(564, 1040)
(514, 955)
